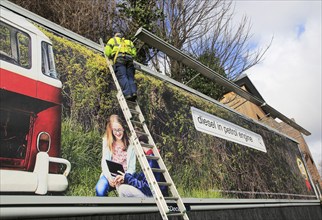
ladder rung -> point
(175, 214)
(164, 184)
(157, 170)
(152, 157)
(171, 198)
(141, 133)
(147, 145)
(130, 102)
(137, 122)
(134, 111)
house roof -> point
(243, 80)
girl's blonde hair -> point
(109, 132)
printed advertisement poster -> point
(59, 126)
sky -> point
(289, 77)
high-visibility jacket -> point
(119, 47)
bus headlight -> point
(43, 142)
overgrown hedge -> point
(200, 164)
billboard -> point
(210, 150)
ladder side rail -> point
(162, 205)
(168, 179)
(139, 152)
(119, 95)
(161, 163)
(155, 189)
(157, 194)
(124, 108)
(156, 152)
(160, 201)
(110, 66)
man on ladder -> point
(135, 120)
(123, 52)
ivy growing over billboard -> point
(200, 163)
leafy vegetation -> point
(204, 29)
(83, 150)
(201, 83)
(201, 165)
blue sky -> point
(289, 77)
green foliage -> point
(199, 193)
(188, 161)
(200, 161)
(83, 150)
(87, 86)
(202, 83)
(136, 14)
(5, 40)
(140, 13)
(200, 164)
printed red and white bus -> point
(30, 110)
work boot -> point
(134, 96)
(128, 97)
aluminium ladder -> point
(138, 127)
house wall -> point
(243, 106)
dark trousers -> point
(124, 70)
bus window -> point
(15, 46)
(48, 65)
(5, 40)
(5, 44)
(24, 49)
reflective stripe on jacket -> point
(120, 46)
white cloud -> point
(289, 78)
(276, 17)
